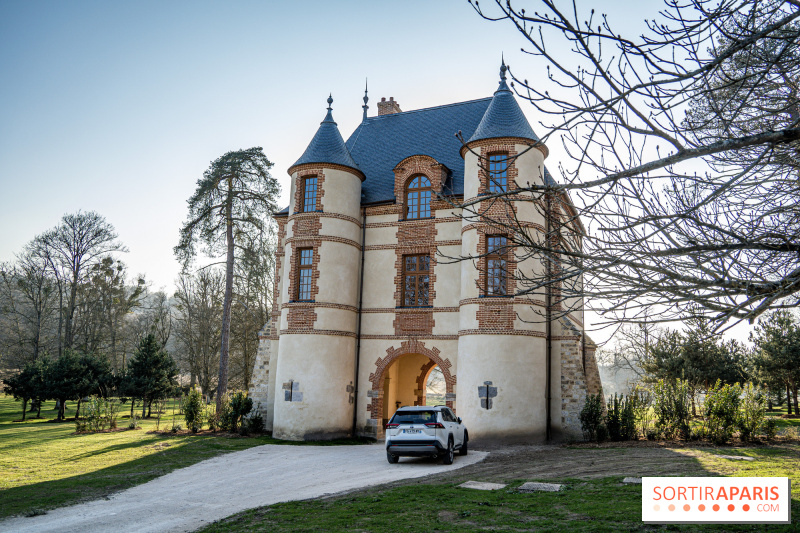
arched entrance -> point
(400, 379)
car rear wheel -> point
(464, 450)
(392, 458)
(448, 456)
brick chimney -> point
(387, 108)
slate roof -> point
(327, 146)
(379, 143)
(503, 118)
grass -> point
(599, 505)
(44, 464)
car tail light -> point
(436, 425)
(390, 425)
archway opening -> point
(435, 387)
(403, 383)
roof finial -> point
(366, 99)
(330, 100)
(503, 67)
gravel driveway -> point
(191, 497)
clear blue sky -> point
(119, 107)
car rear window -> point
(414, 417)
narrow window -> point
(496, 265)
(416, 279)
(498, 173)
(418, 198)
(305, 260)
(310, 194)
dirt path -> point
(532, 462)
(191, 497)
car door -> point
(453, 427)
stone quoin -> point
(366, 303)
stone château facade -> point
(365, 305)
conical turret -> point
(503, 117)
(327, 146)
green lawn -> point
(44, 464)
(596, 505)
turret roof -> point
(327, 146)
(503, 118)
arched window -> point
(418, 198)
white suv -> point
(425, 432)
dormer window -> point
(309, 194)
(498, 173)
(418, 198)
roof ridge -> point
(430, 108)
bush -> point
(770, 428)
(193, 410)
(751, 413)
(672, 408)
(255, 423)
(233, 409)
(591, 416)
(134, 422)
(241, 406)
(652, 434)
(721, 411)
(642, 400)
(99, 414)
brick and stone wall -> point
(259, 384)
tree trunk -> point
(149, 408)
(222, 385)
(39, 411)
(24, 408)
(78, 409)
(144, 407)
(788, 399)
(796, 410)
(62, 409)
(133, 402)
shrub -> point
(672, 408)
(193, 410)
(770, 428)
(642, 400)
(255, 422)
(652, 434)
(591, 416)
(751, 413)
(790, 433)
(134, 422)
(602, 433)
(241, 406)
(721, 411)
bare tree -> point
(685, 149)
(70, 249)
(198, 304)
(27, 303)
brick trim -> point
(334, 166)
(517, 300)
(327, 305)
(409, 221)
(314, 239)
(409, 309)
(332, 332)
(374, 247)
(299, 189)
(302, 215)
(517, 332)
(507, 140)
(410, 337)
